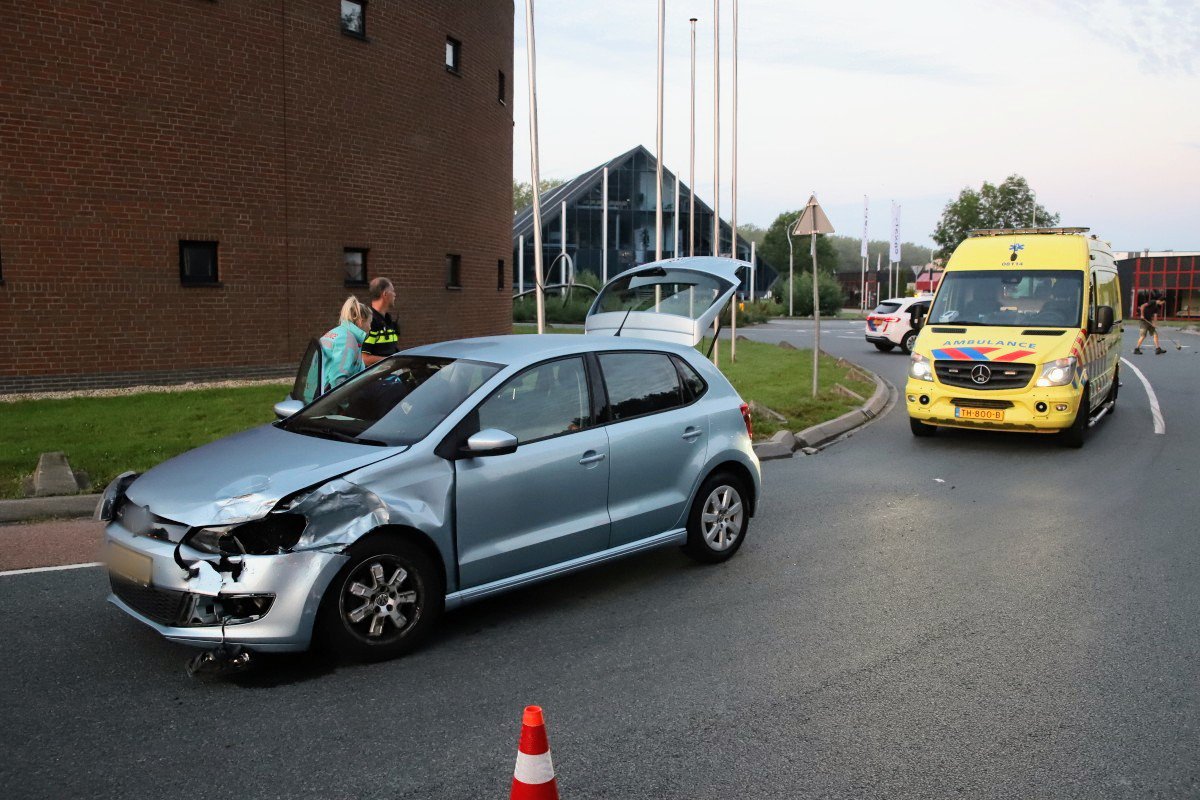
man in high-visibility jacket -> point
(384, 337)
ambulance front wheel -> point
(1074, 435)
(920, 428)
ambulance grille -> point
(1003, 375)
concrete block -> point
(784, 437)
(71, 505)
(767, 451)
(53, 476)
(845, 391)
(763, 411)
(788, 346)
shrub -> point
(830, 291)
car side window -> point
(640, 383)
(692, 382)
(547, 400)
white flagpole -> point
(658, 155)
(604, 230)
(531, 68)
(521, 264)
(753, 266)
(716, 156)
(733, 229)
(692, 154)
(675, 222)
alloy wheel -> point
(721, 519)
(380, 600)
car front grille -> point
(163, 606)
(977, 402)
(1001, 375)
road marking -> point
(32, 570)
(1155, 411)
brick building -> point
(190, 188)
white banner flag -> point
(895, 252)
(863, 254)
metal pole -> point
(716, 156)
(812, 249)
(658, 154)
(604, 231)
(878, 261)
(753, 267)
(716, 129)
(791, 275)
(733, 230)
(521, 264)
(692, 155)
(675, 222)
(531, 67)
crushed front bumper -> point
(295, 582)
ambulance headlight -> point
(1058, 372)
(920, 368)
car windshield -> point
(396, 402)
(1010, 298)
(682, 292)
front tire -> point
(718, 520)
(383, 602)
(1074, 435)
(906, 344)
(884, 347)
(921, 429)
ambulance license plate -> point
(125, 563)
(988, 414)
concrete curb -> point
(31, 508)
(825, 432)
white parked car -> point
(896, 322)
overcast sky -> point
(1097, 104)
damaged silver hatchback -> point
(441, 475)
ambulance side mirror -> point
(1103, 322)
(918, 314)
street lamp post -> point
(791, 276)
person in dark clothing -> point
(384, 337)
(1149, 312)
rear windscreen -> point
(887, 308)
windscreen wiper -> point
(337, 436)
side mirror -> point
(490, 442)
(285, 408)
(1103, 322)
(918, 315)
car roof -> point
(525, 348)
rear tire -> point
(383, 602)
(718, 520)
(906, 344)
(1074, 436)
(884, 347)
(921, 429)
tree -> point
(1009, 205)
(750, 232)
(774, 248)
(523, 191)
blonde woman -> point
(341, 347)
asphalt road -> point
(971, 615)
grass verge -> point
(104, 436)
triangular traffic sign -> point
(812, 220)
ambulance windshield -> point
(1016, 298)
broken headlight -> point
(273, 534)
(113, 496)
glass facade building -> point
(631, 224)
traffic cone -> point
(533, 779)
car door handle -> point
(691, 433)
(593, 458)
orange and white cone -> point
(533, 779)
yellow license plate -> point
(989, 414)
(129, 565)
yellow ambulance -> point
(1023, 335)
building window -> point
(502, 94)
(197, 263)
(453, 271)
(354, 260)
(354, 18)
(501, 278)
(453, 54)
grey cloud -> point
(1163, 34)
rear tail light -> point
(746, 419)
